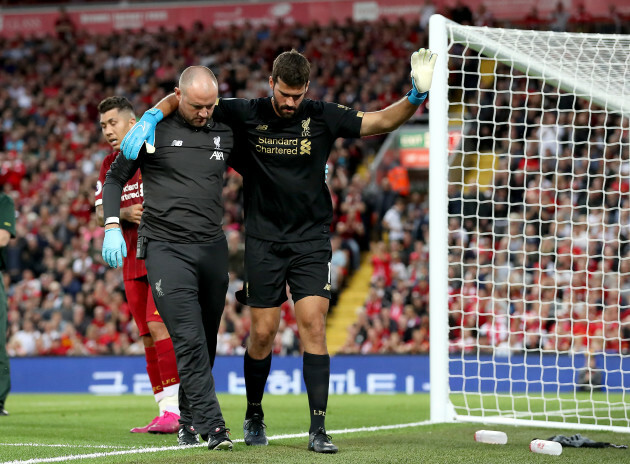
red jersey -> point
(132, 194)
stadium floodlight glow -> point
(529, 228)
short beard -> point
(280, 112)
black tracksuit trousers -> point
(189, 282)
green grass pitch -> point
(71, 428)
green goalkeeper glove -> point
(422, 66)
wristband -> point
(415, 97)
(112, 220)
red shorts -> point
(141, 302)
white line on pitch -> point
(173, 448)
(67, 445)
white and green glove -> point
(422, 66)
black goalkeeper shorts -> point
(269, 266)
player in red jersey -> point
(117, 117)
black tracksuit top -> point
(182, 181)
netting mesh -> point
(539, 225)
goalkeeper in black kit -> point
(288, 213)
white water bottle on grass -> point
(545, 447)
(493, 437)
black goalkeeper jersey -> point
(182, 182)
(286, 198)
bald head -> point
(197, 94)
(198, 77)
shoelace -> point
(321, 431)
(226, 431)
(257, 425)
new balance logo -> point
(218, 155)
(177, 143)
(327, 287)
(262, 127)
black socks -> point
(256, 373)
(316, 377)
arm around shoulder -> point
(168, 104)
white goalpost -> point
(529, 191)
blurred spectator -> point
(590, 377)
(559, 18)
(427, 10)
(24, 341)
(64, 27)
(393, 220)
(615, 22)
(533, 20)
(581, 20)
(339, 267)
(461, 14)
(236, 254)
(483, 16)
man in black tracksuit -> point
(288, 213)
(186, 249)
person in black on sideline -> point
(186, 249)
(288, 212)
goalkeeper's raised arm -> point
(376, 122)
(392, 117)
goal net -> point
(530, 227)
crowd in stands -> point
(538, 256)
(63, 300)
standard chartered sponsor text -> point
(277, 146)
(131, 191)
(129, 187)
(129, 196)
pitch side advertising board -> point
(113, 375)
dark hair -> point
(292, 67)
(117, 103)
